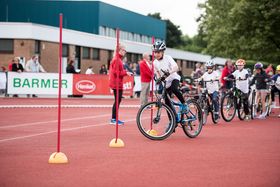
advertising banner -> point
(39, 83)
(98, 85)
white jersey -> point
(242, 85)
(166, 64)
(211, 86)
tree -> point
(173, 32)
(242, 29)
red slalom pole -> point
(153, 56)
(59, 157)
(117, 83)
(117, 142)
(59, 80)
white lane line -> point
(66, 106)
(51, 132)
(52, 121)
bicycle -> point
(157, 121)
(256, 106)
(205, 101)
(231, 102)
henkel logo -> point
(85, 86)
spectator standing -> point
(146, 77)
(89, 71)
(269, 70)
(226, 72)
(103, 70)
(117, 68)
(17, 67)
(70, 67)
(33, 65)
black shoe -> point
(34, 95)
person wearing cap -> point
(260, 79)
(241, 76)
(276, 87)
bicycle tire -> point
(189, 126)
(228, 103)
(253, 105)
(215, 121)
(240, 110)
(204, 109)
(158, 131)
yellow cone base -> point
(58, 158)
(117, 144)
(152, 132)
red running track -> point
(227, 154)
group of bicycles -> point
(157, 121)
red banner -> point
(98, 85)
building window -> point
(102, 30)
(65, 50)
(96, 54)
(86, 53)
(6, 46)
(37, 47)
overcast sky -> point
(181, 12)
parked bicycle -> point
(157, 121)
(232, 102)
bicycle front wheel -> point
(228, 107)
(156, 121)
(240, 110)
(192, 122)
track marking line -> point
(52, 121)
(66, 106)
(62, 130)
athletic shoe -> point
(273, 105)
(114, 122)
(247, 118)
(216, 117)
(261, 116)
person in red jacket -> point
(226, 72)
(146, 77)
(116, 75)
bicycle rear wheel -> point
(228, 107)
(156, 122)
(192, 122)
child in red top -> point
(117, 72)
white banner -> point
(3, 81)
(39, 83)
(137, 86)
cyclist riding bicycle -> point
(241, 76)
(212, 85)
(260, 79)
(166, 69)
